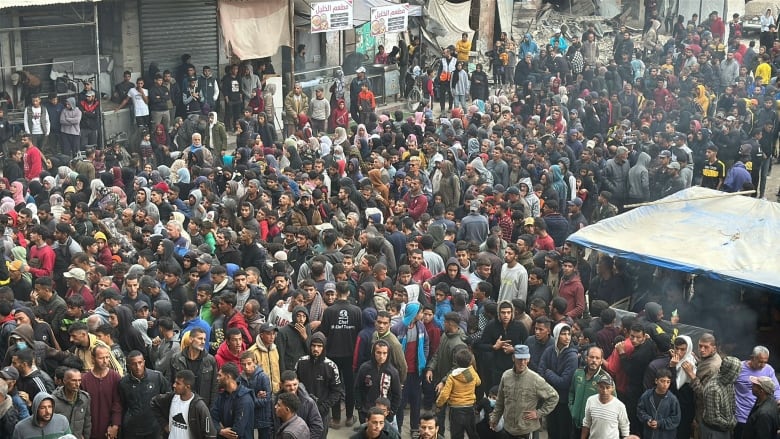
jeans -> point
(70, 144)
(463, 419)
(412, 394)
(459, 101)
(89, 137)
(161, 117)
(444, 92)
(348, 378)
(233, 112)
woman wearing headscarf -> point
(17, 192)
(41, 330)
(291, 152)
(375, 177)
(339, 116)
(38, 192)
(130, 339)
(340, 138)
(479, 84)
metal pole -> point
(47, 27)
(292, 43)
(101, 137)
(704, 197)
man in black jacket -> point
(498, 341)
(321, 377)
(159, 101)
(341, 323)
(136, 389)
(196, 423)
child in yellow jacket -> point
(459, 391)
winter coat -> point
(199, 424)
(293, 107)
(259, 381)
(137, 417)
(70, 119)
(449, 187)
(308, 412)
(268, 359)
(573, 291)
(207, 375)
(639, 179)
(459, 388)
(78, 413)
(558, 365)
(667, 414)
(235, 410)
(342, 335)
(521, 392)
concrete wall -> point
(127, 46)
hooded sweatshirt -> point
(458, 390)
(70, 119)
(291, 344)
(720, 405)
(639, 179)
(414, 340)
(57, 427)
(558, 364)
(321, 377)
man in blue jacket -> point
(233, 411)
(557, 367)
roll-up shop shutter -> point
(172, 28)
(41, 46)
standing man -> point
(523, 397)
(203, 365)
(714, 171)
(755, 367)
(718, 417)
(341, 324)
(377, 377)
(140, 98)
(762, 423)
(498, 340)
(183, 413)
(74, 404)
(557, 366)
(90, 119)
(209, 89)
(32, 159)
(136, 389)
(292, 426)
(514, 277)
(231, 93)
(159, 102)
(605, 415)
(446, 69)
(308, 408)
(321, 377)
(70, 127)
(102, 385)
(354, 89)
(36, 122)
(320, 112)
(295, 103)
(43, 423)
(584, 385)
(234, 409)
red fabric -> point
(225, 356)
(416, 205)
(238, 321)
(616, 370)
(545, 243)
(434, 336)
(33, 165)
(574, 293)
(46, 256)
(86, 293)
(422, 274)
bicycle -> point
(414, 95)
(71, 86)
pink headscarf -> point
(18, 192)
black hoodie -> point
(321, 377)
(129, 337)
(289, 342)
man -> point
(605, 415)
(102, 385)
(375, 427)
(714, 170)
(557, 366)
(209, 88)
(90, 111)
(203, 365)
(159, 103)
(634, 366)
(571, 288)
(136, 389)
(429, 427)
(762, 423)
(584, 385)
(76, 281)
(47, 303)
(719, 412)
(295, 103)
(699, 374)
(498, 339)
(341, 324)
(443, 358)
(43, 423)
(522, 415)
(41, 255)
(73, 403)
(382, 325)
(605, 209)
(474, 227)
(320, 376)
(292, 426)
(756, 367)
(9, 414)
(540, 340)
(36, 121)
(266, 354)
(375, 378)
(233, 410)
(293, 338)
(231, 92)
(32, 380)
(140, 98)
(182, 413)
(308, 408)
(514, 277)
(226, 304)
(83, 344)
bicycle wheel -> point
(413, 99)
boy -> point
(459, 392)
(485, 407)
(366, 102)
(659, 409)
(254, 378)
(74, 313)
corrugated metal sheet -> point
(41, 46)
(174, 27)
(24, 3)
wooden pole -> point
(704, 197)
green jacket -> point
(580, 390)
(216, 138)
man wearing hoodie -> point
(451, 276)
(499, 339)
(308, 410)
(216, 137)
(292, 340)
(719, 401)
(557, 367)
(320, 376)
(414, 341)
(70, 123)
(43, 423)
(341, 324)
(639, 180)
(375, 378)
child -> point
(385, 404)
(659, 409)
(366, 103)
(485, 407)
(443, 305)
(253, 377)
(427, 86)
(147, 153)
(459, 392)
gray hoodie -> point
(639, 179)
(31, 427)
(70, 118)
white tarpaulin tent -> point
(733, 238)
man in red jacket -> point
(41, 262)
(33, 159)
(226, 304)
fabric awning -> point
(24, 3)
(255, 29)
(731, 238)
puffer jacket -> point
(207, 375)
(458, 390)
(77, 412)
(268, 359)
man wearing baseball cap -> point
(267, 355)
(522, 415)
(601, 411)
(763, 419)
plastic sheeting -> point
(244, 22)
(728, 237)
(454, 17)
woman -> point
(41, 330)
(339, 117)
(459, 86)
(17, 192)
(381, 56)
(479, 84)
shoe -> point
(350, 421)
(334, 424)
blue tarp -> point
(727, 237)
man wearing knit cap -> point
(413, 337)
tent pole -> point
(705, 197)
(102, 134)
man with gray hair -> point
(757, 366)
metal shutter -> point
(41, 46)
(172, 28)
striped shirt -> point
(608, 420)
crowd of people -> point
(370, 270)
